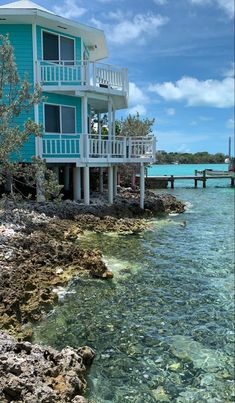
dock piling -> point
(172, 181)
(204, 179)
(195, 180)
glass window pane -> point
(50, 46)
(52, 119)
(68, 119)
(66, 48)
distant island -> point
(202, 157)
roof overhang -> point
(93, 38)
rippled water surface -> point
(162, 328)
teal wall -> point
(39, 42)
(21, 40)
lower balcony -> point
(87, 148)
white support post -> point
(99, 134)
(115, 170)
(86, 185)
(101, 181)
(110, 184)
(84, 115)
(40, 185)
(76, 183)
(142, 186)
(66, 177)
(110, 117)
(114, 125)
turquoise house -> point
(66, 58)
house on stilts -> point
(65, 56)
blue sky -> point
(180, 57)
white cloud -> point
(136, 95)
(69, 9)
(137, 108)
(212, 93)
(230, 124)
(170, 111)
(225, 5)
(160, 2)
(129, 29)
(137, 100)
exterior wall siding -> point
(21, 40)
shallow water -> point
(162, 328)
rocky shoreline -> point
(40, 251)
(30, 373)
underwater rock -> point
(187, 349)
(160, 395)
(32, 373)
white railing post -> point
(124, 148)
(94, 74)
(129, 147)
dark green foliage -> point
(202, 157)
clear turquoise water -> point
(189, 169)
(162, 329)
(183, 169)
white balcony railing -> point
(92, 147)
(82, 73)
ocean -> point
(162, 329)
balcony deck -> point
(80, 75)
(95, 150)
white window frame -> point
(59, 36)
(60, 106)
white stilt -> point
(86, 185)
(66, 177)
(77, 183)
(142, 186)
(115, 168)
(101, 181)
(110, 184)
(40, 185)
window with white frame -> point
(57, 47)
(59, 119)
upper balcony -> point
(82, 75)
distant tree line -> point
(202, 157)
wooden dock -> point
(197, 177)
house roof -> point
(25, 4)
(28, 12)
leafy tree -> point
(202, 157)
(17, 98)
(134, 126)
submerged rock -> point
(32, 373)
(187, 349)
